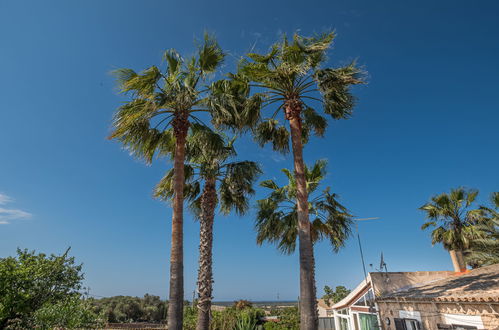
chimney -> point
(458, 261)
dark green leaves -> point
(237, 185)
(232, 107)
(312, 122)
(277, 217)
(174, 61)
(142, 84)
(334, 85)
(454, 217)
(270, 131)
(30, 282)
(210, 55)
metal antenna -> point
(360, 245)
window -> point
(368, 322)
(407, 324)
(366, 300)
(412, 324)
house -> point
(324, 309)
(410, 300)
(468, 301)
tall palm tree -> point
(455, 221)
(157, 120)
(277, 217)
(290, 78)
(211, 168)
(485, 251)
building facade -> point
(422, 300)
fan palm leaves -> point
(278, 219)
(226, 183)
(162, 110)
(485, 251)
(289, 80)
(455, 221)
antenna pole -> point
(361, 253)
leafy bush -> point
(70, 314)
(35, 286)
(228, 319)
(289, 319)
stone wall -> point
(432, 312)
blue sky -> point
(426, 122)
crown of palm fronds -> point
(485, 251)
(454, 218)
(277, 217)
(235, 178)
(143, 124)
(290, 70)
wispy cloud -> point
(6, 215)
(4, 199)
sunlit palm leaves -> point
(454, 218)
(145, 123)
(291, 70)
(235, 178)
(485, 251)
(277, 218)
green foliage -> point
(73, 313)
(144, 125)
(277, 217)
(289, 319)
(123, 309)
(291, 70)
(228, 319)
(485, 251)
(215, 161)
(38, 288)
(333, 296)
(454, 218)
(190, 318)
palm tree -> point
(485, 251)
(277, 217)
(157, 119)
(235, 184)
(455, 221)
(290, 78)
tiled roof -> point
(478, 285)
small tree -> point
(33, 287)
(333, 296)
(455, 221)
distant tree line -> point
(125, 309)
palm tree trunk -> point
(176, 299)
(205, 272)
(308, 310)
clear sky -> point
(426, 122)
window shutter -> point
(400, 324)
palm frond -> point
(269, 131)
(277, 217)
(210, 55)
